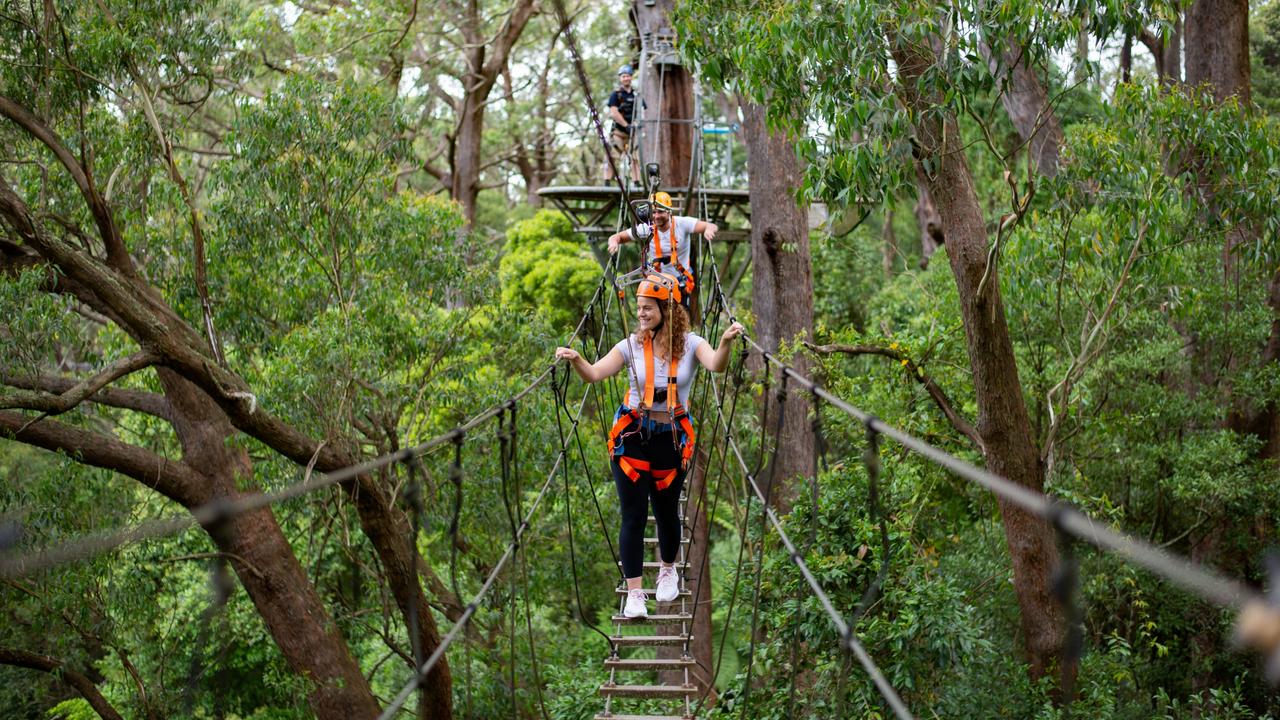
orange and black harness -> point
(633, 467)
(674, 259)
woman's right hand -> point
(564, 353)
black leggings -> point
(634, 497)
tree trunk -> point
(485, 58)
(264, 562)
(930, 224)
(666, 134)
(1217, 39)
(1027, 104)
(889, 245)
(1126, 59)
(1217, 54)
(466, 155)
(781, 286)
(388, 530)
(1003, 422)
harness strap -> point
(647, 401)
(690, 438)
(674, 259)
(634, 467)
(624, 419)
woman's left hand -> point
(731, 332)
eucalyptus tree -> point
(240, 276)
(884, 92)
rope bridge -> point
(715, 402)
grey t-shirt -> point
(682, 227)
(632, 348)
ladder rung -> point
(655, 619)
(653, 593)
(649, 691)
(651, 639)
(654, 565)
(648, 664)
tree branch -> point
(50, 404)
(54, 666)
(136, 400)
(117, 255)
(939, 396)
(174, 480)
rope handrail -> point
(1258, 622)
(20, 565)
(848, 638)
(1207, 584)
(472, 606)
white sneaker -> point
(668, 583)
(635, 607)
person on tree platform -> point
(652, 440)
(622, 104)
(669, 240)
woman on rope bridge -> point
(651, 443)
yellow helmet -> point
(663, 200)
(659, 286)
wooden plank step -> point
(614, 716)
(648, 691)
(652, 593)
(654, 619)
(654, 541)
(648, 640)
(648, 664)
(654, 565)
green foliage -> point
(545, 269)
(73, 709)
(1264, 56)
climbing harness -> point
(631, 421)
(673, 259)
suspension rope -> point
(571, 43)
(848, 639)
(764, 533)
(222, 508)
(1199, 580)
(465, 619)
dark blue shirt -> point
(625, 101)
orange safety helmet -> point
(659, 286)
(663, 200)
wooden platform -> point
(593, 209)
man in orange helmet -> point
(669, 237)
